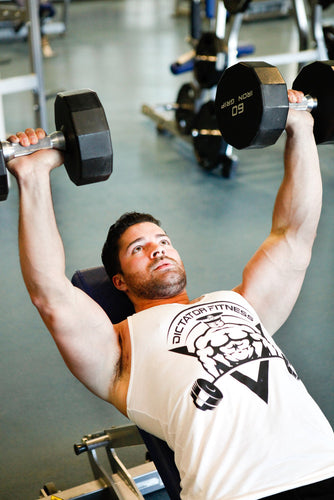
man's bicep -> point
(86, 339)
(272, 280)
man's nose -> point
(158, 252)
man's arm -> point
(82, 331)
(273, 277)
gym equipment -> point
(207, 72)
(33, 81)
(184, 63)
(310, 47)
(213, 52)
(209, 145)
(210, 59)
(12, 13)
(205, 138)
(235, 6)
(82, 133)
(317, 80)
(252, 102)
(329, 40)
(195, 19)
(211, 150)
(209, 62)
(185, 107)
(14, 19)
(267, 9)
(117, 483)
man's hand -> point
(38, 163)
(298, 120)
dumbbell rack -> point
(33, 81)
(164, 119)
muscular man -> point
(234, 411)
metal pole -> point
(36, 61)
(318, 32)
(302, 23)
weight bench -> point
(96, 283)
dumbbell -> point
(207, 67)
(210, 59)
(82, 133)
(185, 107)
(209, 146)
(252, 102)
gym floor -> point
(123, 50)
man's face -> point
(151, 267)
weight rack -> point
(163, 117)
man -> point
(228, 403)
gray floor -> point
(123, 49)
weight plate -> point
(185, 111)
(81, 118)
(329, 40)
(251, 105)
(207, 140)
(317, 80)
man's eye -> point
(165, 242)
(137, 249)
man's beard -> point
(159, 284)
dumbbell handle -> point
(11, 150)
(308, 103)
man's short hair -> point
(110, 251)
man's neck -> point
(140, 304)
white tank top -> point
(208, 379)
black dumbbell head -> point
(81, 118)
(207, 146)
(205, 72)
(251, 105)
(236, 6)
(185, 112)
(317, 80)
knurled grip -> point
(11, 150)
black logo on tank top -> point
(226, 340)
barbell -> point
(252, 102)
(82, 134)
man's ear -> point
(119, 283)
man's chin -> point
(166, 287)
(162, 284)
